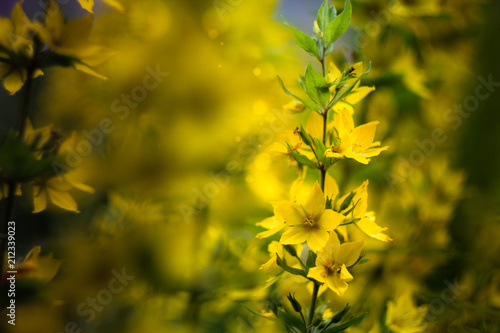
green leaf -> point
(339, 25)
(339, 315)
(311, 260)
(290, 249)
(303, 40)
(301, 159)
(295, 271)
(306, 103)
(316, 87)
(326, 14)
(291, 320)
(363, 261)
(347, 201)
(320, 152)
(340, 327)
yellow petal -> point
(116, 5)
(317, 239)
(349, 252)
(63, 200)
(317, 273)
(54, 22)
(330, 219)
(361, 200)
(334, 283)
(14, 81)
(291, 213)
(331, 248)
(333, 72)
(374, 151)
(294, 188)
(331, 187)
(344, 274)
(315, 125)
(39, 200)
(6, 28)
(365, 135)
(88, 5)
(294, 235)
(271, 231)
(76, 32)
(315, 202)
(369, 227)
(358, 157)
(359, 94)
(87, 70)
(269, 222)
(269, 265)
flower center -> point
(309, 221)
(333, 268)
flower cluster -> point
(316, 228)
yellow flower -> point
(16, 50)
(279, 150)
(332, 262)
(36, 267)
(294, 107)
(56, 188)
(271, 266)
(404, 317)
(309, 222)
(69, 38)
(356, 143)
(356, 95)
(274, 224)
(367, 219)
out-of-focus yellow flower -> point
(69, 38)
(16, 50)
(416, 8)
(56, 188)
(309, 222)
(356, 95)
(271, 266)
(57, 191)
(403, 316)
(36, 267)
(294, 107)
(356, 143)
(332, 262)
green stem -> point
(12, 185)
(313, 302)
(25, 105)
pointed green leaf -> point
(303, 40)
(326, 14)
(340, 327)
(291, 320)
(295, 271)
(311, 260)
(320, 152)
(301, 159)
(306, 103)
(347, 201)
(339, 25)
(316, 86)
